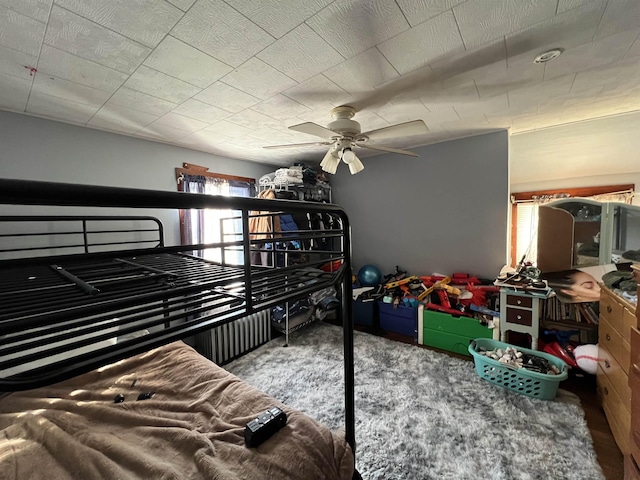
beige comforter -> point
(192, 427)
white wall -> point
(37, 149)
(602, 151)
(445, 211)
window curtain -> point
(209, 225)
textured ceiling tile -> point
(363, 72)
(432, 39)
(258, 79)
(503, 78)
(494, 106)
(526, 97)
(36, 9)
(300, 54)
(404, 112)
(483, 20)
(145, 21)
(592, 55)
(353, 27)
(121, 119)
(567, 30)
(58, 108)
(162, 132)
(634, 51)
(254, 120)
(183, 5)
(74, 34)
(158, 84)
(439, 114)
(20, 32)
(468, 64)
(610, 74)
(281, 108)
(228, 129)
(65, 65)
(203, 139)
(182, 61)
(453, 93)
(278, 17)
(619, 15)
(564, 5)
(141, 102)
(317, 93)
(64, 89)
(418, 11)
(201, 111)
(181, 122)
(222, 32)
(226, 97)
(12, 62)
(14, 92)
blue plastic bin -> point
(401, 319)
(364, 313)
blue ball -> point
(369, 276)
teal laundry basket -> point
(526, 382)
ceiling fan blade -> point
(296, 145)
(313, 129)
(388, 149)
(416, 127)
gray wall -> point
(445, 211)
(37, 149)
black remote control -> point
(263, 426)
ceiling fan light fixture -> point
(356, 166)
(330, 162)
(350, 158)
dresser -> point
(632, 461)
(617, 317)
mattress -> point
(191, 427)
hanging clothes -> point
(263, 227)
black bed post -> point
(347, 326)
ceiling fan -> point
(343, 135)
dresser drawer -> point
(635, 353)
(519, 316)
(617, 377)
(611, 310)
(628, 321)
(618, 416)
(609, 338)
(517, 301)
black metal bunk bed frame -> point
(55, 304)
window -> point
(208, 225)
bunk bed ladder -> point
(231, 340)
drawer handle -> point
(605, 390)
(608, 308)
(608, 337)
(607, 364)
(519, 317)
(519, 302)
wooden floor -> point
(607, 451)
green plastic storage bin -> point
(526, 382)
(450, 333)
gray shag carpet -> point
(422, 414)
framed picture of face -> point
(577, 285)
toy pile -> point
(458, 294)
